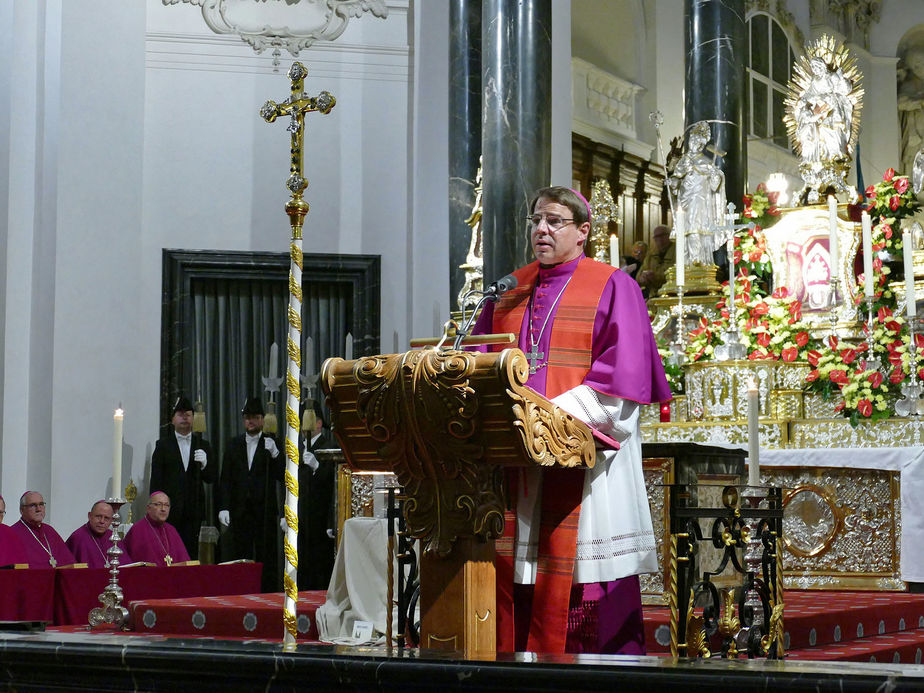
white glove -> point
(309, 459)
(224, 517)
(282, 524)
(330, 534)
(200, 457)
(271, 447)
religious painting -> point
(799, 248)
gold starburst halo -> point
(836, 57)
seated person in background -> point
(43, 545)
(90, 543)
(11, 550)
(153, 539)
(633, 261)
(651, 274)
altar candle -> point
(753, 435)
(117, 453)
(680, 246)
(273, 358)
(614, 250)
(833, 249)
(868, 290)
(730, 251)
(911, 298)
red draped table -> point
(77, 591)
(27, 595)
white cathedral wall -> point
(133, 128)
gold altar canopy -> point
(447, 423)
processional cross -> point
(732, 347)
(296, 106)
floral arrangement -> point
(772, 328)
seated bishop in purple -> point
(154, 540)
(44, 547)
(90, 543)
(11, 551)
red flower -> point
(840, 405)
(865, 407)
(889, 174)
(839, 376)
(895, 202)
(886, 230)
(871, 191)
(754, 256)
(782, 292)
(901, 185)
(897, 376)
(884, 313)
(848, 356)
(724, 313)
(812, 376)
(893, 326)
(802, 339)
(761, 309)
(738, 257)
(813, 357)
(750, 213)
(761, 187)
(763, 339)
(773, 210)
(875, 378)
(833, 342)
(756, 354)
(919, 340)
(790, 354)
(773, 197)
(748, 200)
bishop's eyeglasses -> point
(552, 221)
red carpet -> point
(250, 616)
(846, 626)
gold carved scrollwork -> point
(447, 423)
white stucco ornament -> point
(283, 24)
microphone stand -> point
(463, 331)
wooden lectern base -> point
(457, 599)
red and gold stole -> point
(568, 363)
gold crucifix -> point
(296, 106)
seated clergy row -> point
(31, 541)
(247, 498)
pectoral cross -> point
(534, 356)
(168, 559)
(52, 562)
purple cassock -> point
(154, 543)
(625, 363)
(11, 550)
(91, 549)
(44, 547)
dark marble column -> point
(464, 131)
(517, 132)
(716, 49)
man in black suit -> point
(316, 519)
(181, 462)
(247, 494)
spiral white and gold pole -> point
(296, 106)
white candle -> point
(273, 358)
(348, 347)
(309, 356)
(868, 289)
(753, 435)
(911, 298)
(833, 249)
(117, 453)
(614, 250)
(680, 246)
(730, 251)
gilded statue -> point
(823, 117)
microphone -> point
(501, 286)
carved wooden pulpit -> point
(448, 423)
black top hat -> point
(253, 406)
(182, 404)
